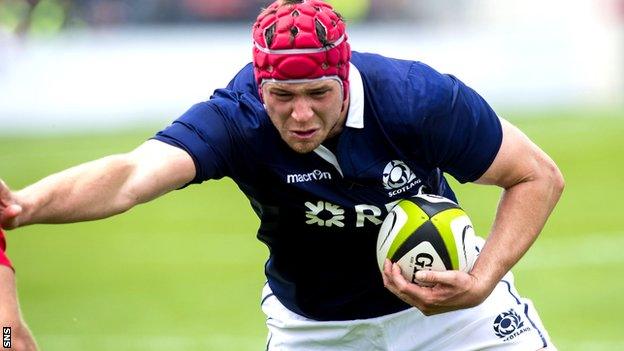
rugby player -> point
(307, 131)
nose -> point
(302, 110)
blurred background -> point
(80, 79)
(66, 64)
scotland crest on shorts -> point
(509, 325)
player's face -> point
(305, 114)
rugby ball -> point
(427, 232)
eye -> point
(319, 93)
(282, 95)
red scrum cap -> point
(297, 40)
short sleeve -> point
(460, 133)
(244, 81)
(202, 132)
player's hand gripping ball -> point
(427, 232)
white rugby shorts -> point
(504, 321)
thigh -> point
(289, 331)
(504, 321)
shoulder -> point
(238, 114)
(378, 70)
(403, 88)
(381, 69)
(222, 135)
(244, 81)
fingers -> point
(9, 211)
(5, 194)
(386, 269)
(398, 285)
(392, 276)
(398, 279)
(393, 279)
(9, 216)
(433, 277)
(417, 296)
(436, 292)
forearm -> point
(532, 186)
(522, 212)
(89, 191)
(100, 188)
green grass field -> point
(185, 272)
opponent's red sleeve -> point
(4, 260)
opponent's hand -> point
(9, 208)
(449, 291)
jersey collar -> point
(355, 116)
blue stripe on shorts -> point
(526, 312)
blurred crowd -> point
(24, 16)
(50, 16)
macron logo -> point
(308, 177)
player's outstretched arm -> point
(100, 188)
(532, 186)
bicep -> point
(518, 160)
(158, 168)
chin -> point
(303, 147)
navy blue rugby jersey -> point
(320, 212)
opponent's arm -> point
(532, 186)
(100, 188)
(10, 316)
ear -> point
(345, 103)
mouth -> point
(304, 134)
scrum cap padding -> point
(300, 41)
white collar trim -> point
(328, 156)
(355, 116)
